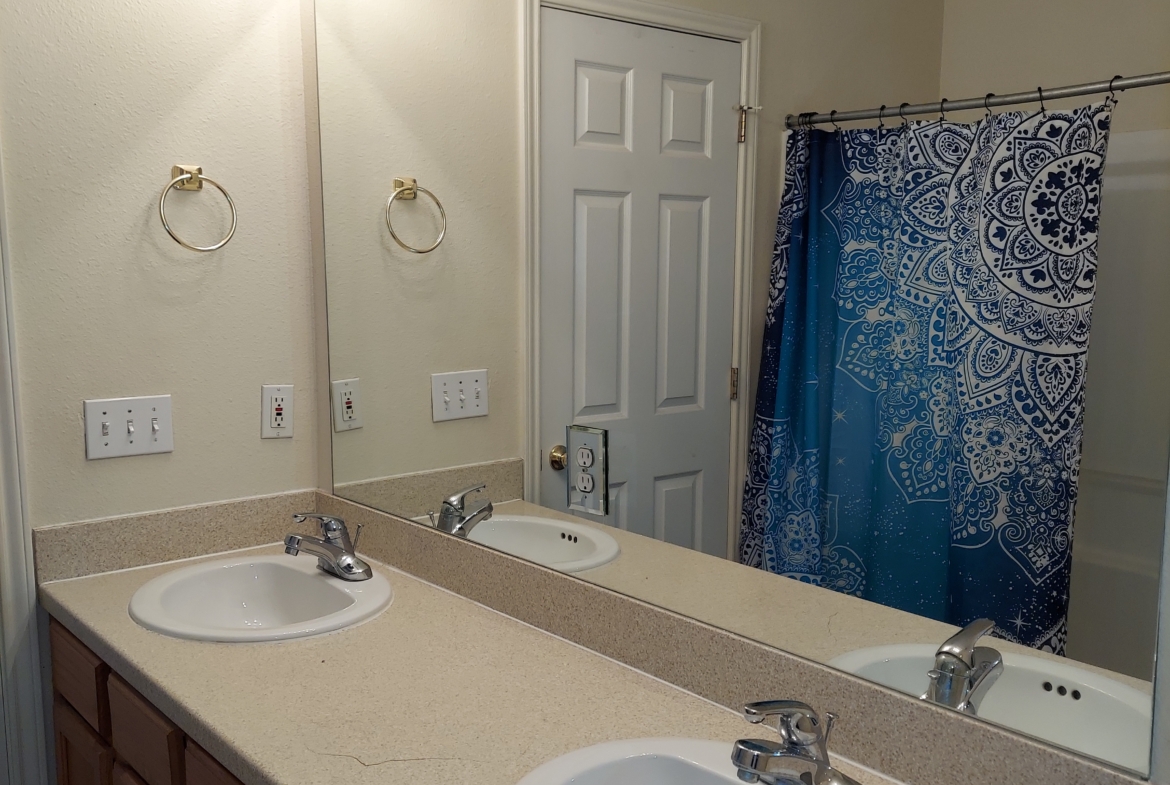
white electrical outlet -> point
(276, 411)
(117, 427)
(458, 395)
(347, 409)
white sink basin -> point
(640, 762)
(561, 545)
(1078, 709)
(256, 598)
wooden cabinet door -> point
(124, 775)
(143, 737)
(83, 758)
(80, 677)
(202, 769)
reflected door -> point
(638, 199)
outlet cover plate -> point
(107, 426)
(460, 394)
(276, 424)
(347, 405)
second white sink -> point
(1075, 708)
(256, 598)
(640, 762)
(561, 545)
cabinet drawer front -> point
(202, 769)
(79, 676)
(83, 758)
(144, 737)
(124, 775)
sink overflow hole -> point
(1062, 690)
(569, 537)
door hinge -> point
(735, 384)
(743, 110)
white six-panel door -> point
(638, 135)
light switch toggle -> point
(105, 429)
(130, 427)
(154, 426)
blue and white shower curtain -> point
(918, 419)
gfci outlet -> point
(276, 411)
(347, 409)
(458, 395)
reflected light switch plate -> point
(457, 395)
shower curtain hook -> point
(832, 116)
(942, 112)
(987, 98)
(902, 113)
(881, 119)
(1113, 95)
(1043, 109)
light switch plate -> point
(457, 395)
(117, 427)
(276, 411)
(588, 465)
(347, 405)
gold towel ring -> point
(406, 188)
(190, 178)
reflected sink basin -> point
(640, 762)
(256, 598)
(1094, 715)
(561, 545)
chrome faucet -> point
(802, 755)
(335, 553)
(454, 517)
(963, 672)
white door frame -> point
(22, 706)
(745, 32)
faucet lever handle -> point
(456, 499)
(798, 724)
(357, 535)
(332, 527)
(962, 643)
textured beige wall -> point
(434, 90)
(1006, 46)
(98, 100)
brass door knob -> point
(558, 457)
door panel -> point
(638, 202)
(682, 268)
(600, 307)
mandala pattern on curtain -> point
(918, 418)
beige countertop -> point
(436, 688)
(799, 618)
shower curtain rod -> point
(1116, 84)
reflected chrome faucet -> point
(801, 757)
(335, 553)
(453, 515)
(963, 672)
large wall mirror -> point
(588, 340)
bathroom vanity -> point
(435, 688)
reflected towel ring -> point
(190, 178)
(407, 188)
